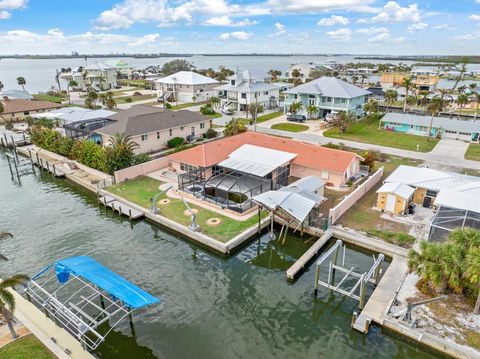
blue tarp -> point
(104, 278)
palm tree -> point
(476, 97)
(407, 83)
(363, 77)
(462, 100)
(472, 273)
(7, 300)
(461, 89)
(472, 86)
(1, 86)
(91, 99)
(371, 107)
(343, 120)
(296, 73)
(354, 79)
(215, 101)
(295, 107)
(435, 106)
(463, 69)
(122, 143)
(312, 110)
(22, 82)
(107, 100)
(391, 96)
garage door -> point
(450, 134)
(464, 136)
(391, 199)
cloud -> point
(443, 27)
(393, 12)
(236, 35)
(333, 20)
(55, 41)
(280, 29)
(165, 12)
(372, 30)
(225, 20)
(474, 17)
(475, 35)
(419, 26)
(10, 5)
(340, 35)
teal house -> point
(329, 95)
(466, 130)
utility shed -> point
(394, 197)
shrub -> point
(141, 158)
(210, 133)
(136, 93)
(175, 142)
(167, 105)
(90, 154)
(128, 99)
(332, 145)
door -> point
(192, 129)
(390, 206)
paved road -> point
(439, 158)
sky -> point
(240, 26)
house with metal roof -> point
(455, 196)
(98, 76)
(248, 87)
(230, 171)
(329, 95)
(151, 127)
(185, 86)
(466, 130)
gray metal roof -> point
(329, 87)
(450, 124)
(308, 183)
(249, 87)
(294, 204)
(139, 120)
(74, 114)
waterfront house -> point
(455, 196)
(248, 87)
(305, 70)
(329, 95)
(98, 76)
(18, 109)
(152, 127)
(441, 126)
(185, 86)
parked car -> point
(227, 111)
(296, 118)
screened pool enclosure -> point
(448, 219)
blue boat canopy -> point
(105, 279)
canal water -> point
(211, 307)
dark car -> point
(296, 118)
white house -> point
(185, 86)
(98, 76)
(248, 87)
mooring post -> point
(38, 160)
(54, 170)
(10, 166)
(285, 234)
(48, 166)
(317, 277)
(377, 272)
(102, 303)
(362, 292)
(271, 225)
(259, 220)
(354, 317)
(330, 273)
(130, 213)
(335, 258)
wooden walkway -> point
(383, 295)
(308, 255)
(120, 207)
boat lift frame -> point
(358, 291)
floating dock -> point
(120, 207)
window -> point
(232, 82)
(311, 101)
(344, 100)
(158, 135)
(202, 125)
(186, 167)
(329, 99)
(244, 95)
(144, 137)
(295, 96)
(181, 128)
(26, 113)
(266, 93)
(170, 131)
(325, 174)
(324, 99)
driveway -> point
(450, 148)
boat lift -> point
(80, 294)
(358, 291)
(193, 225)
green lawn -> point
(47, 97)
(291, 127)
(361, 131)
(261, 118)
(123, 99)
(473, 152)
(27, 347)
(186, 105)
(214, 115)
(141, 189)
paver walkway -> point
(450, 159)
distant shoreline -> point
(435, 59)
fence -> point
(336, 212)
(141, 169)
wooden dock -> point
(308, 255)
(383, 295)
(120, 207)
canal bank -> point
(212, 307)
